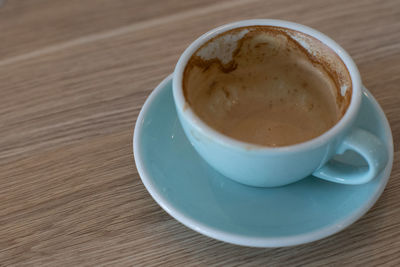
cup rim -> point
(185, 110)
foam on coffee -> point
(267, 85)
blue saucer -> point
(209, 203)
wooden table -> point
(73, 77)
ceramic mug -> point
(263, 166)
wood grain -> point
(33, 24)
(73, 77)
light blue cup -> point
(276, 166)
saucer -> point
(202, 199)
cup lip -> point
(184, 109)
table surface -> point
(74, 76)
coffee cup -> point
(270, 102)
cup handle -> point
(365, 144)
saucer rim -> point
(239, 239)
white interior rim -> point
(235, 144)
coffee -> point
(261, 85)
